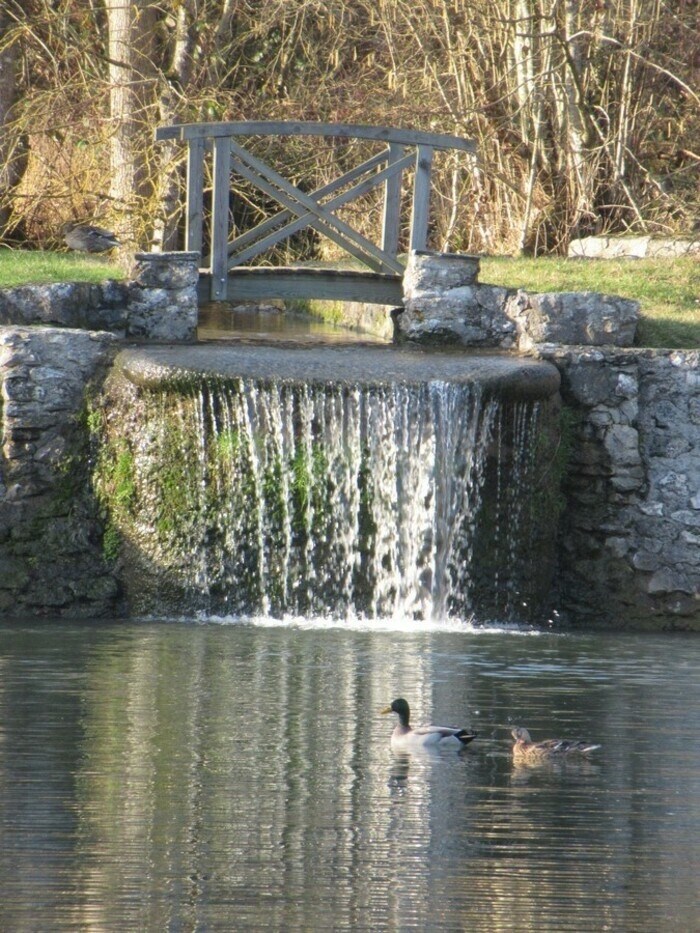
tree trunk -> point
(13, 155)
(166, 233)
(133, 110)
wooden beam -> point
(307, 218)
(219, 221)
(256, 283)
(285, 215)
(339, 130)
(391, 218)
(195, 190)
(421, 198)
(259, 180)
(334, 228)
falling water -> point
(377, 501)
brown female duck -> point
(525, 749)
(88, 238)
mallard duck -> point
(406, 739)
(527, 750)
(88, 239)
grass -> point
(667, 290)
(38, 267)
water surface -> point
(213, 776)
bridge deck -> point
(253, 283)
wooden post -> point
(421, 198)
(219, 220)
(195, 189)
(392, 205)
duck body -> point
(525, 749)
(88, 238)
(404, 738)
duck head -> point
(401, 708)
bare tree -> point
(585, 112)
(12, 143)
(133, 78)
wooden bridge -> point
(224, 265)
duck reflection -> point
(523, 772)
(398, 772)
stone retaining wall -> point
(50, 535)
(445, 303)
(159, 302)
(630, 527)
(630, 531)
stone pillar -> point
(443, 303)
(50, 531)
(163, 296)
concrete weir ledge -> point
(503, 374)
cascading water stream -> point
(336, 499)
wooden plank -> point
(339, 130)
(271, 223)
(219, 221)
(254, 284)
(421, 199)
(283, 198)
(306, 219)
(195, 190)
(392, 204)
(331, 226)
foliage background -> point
(585, 112)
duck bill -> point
(388, 709)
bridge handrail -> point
(300, 208)
(183, 131)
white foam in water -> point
(357, 624)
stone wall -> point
(444, 303)
(158, 302)
(630, 526)
(630, 531)
(56, 342)
(50, 536)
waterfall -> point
(384, 500)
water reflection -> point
(233, 777)
(269, 323)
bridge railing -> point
(404, 149)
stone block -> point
(580, 318)
(467, 314)
(632, 247)
(666, 581)
(609, 247)
(427, 271)
(622, 443)
(590, 385)
(166, 270)
(163, 315)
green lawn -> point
(668, 290)
(36, 267)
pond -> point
(237, 776)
